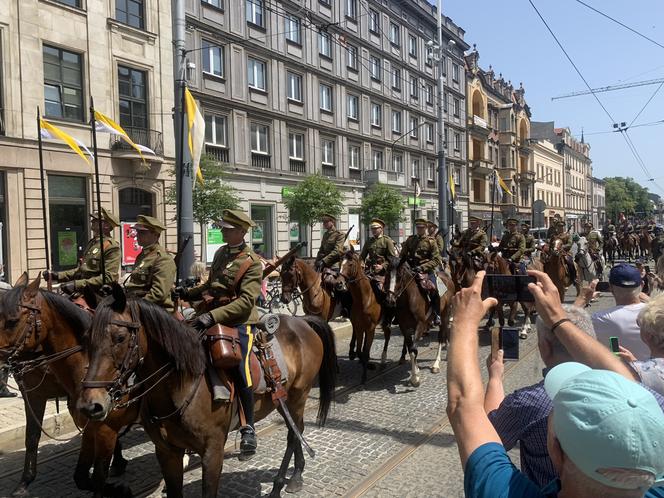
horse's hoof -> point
(294, 485)
(415, 382)
(352, 355)
(523, 335)
(371, 366)
(435, 370)
(511, 323)
(117, 490)
(402, 360)
(118, 468)
(21, 491)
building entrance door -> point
(262, 235)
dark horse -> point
(135, 337)
(414, 315)
(49, 329)
(316, 300)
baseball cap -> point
(610, 427)
(624, 275)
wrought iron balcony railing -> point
(140, 136)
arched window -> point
(135, 201)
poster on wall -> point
(130, 247)
(294, 232)
(354, 235)
(67, 248)
(214, 241)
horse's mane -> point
(180, 342)
(78, 318)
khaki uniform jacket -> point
(153, 276)
(531, 245)
(564, 238)
(513, 245)
(595, 241)
(422, 252)
(331, 247)
(219, 284)
(441, 244)
(474, 242)
(88, 271)
(377, 250)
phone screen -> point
(614, 344)
(508, 288)
(603, 287)
(509, 343)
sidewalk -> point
(13, 416)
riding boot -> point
(248, 443)
(4, 391)
(435, 306)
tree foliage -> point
(624, 195)
(384, 202)
(312, 198)
(211, 198)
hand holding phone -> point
(614, 345)
(603, 287)
(509, 343)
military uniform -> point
(512, 246)
(595, 242)
(154, 270)
(474, 241)
(531, 243)
(377, 250)
(421, 252)
(331, 247)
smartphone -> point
(614, 345)
(603, 287)
(508, 288)
(509, 343)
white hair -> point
(578, 316)
(651, 319)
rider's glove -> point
(50, 275)
(180, 292)
(318, 265)
(203, 322)
(68, 288)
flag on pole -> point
(104, 124)
(502, 183)
(452, 188)
(196, 127)
(50, 131)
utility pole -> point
(443, 199)
(184, 173)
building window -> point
(374, 67)
(415, 169)
(133, 98)
(325, 2)
(68, 216)
(255, 13)
(296, 146)
(351, 53)
(327, 151)
(397, 163)
(457, 142)
(213, 58)
(353, 102)
(351, 9)
(429, 132)
(325, 44)
(414, 87)
(395, 35)
(325, 98)
(455, 72)
(259, 139)
(414, 128)
(376, 115)
(374, 21)
(293, 29)
(294, 87)
(396, 121)
(63, 84)
(256, 74)
(130, 12)
(396, 79)
(457, 107)
(354, 157)
(376, 159)
(412, 46)
(429, 94)
(71, 3)
(431, 171)
(216, 130)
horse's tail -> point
(327, 375)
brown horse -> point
(414, 315)
(629, 242)
(365, 312)
(50, 329)
(645, 243)
(462, 267)
(135, 337)
(555, 267)
(300, 274)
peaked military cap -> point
(377, 223)
(511, 218)
(432, 224)
(328, 216)
(420, 222)
(107, 216)
(234, 218)
(144, 222)
(474, 218)
(525, 223)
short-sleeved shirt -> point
(651, 373)
(620, 322)
(490, 473)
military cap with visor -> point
(432, 224)
(234, 218)
(511, 218)
(328, 216)
(106, 216)
(421, 222)
(144, 222)
(377, 223)
(474, 218)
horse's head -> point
(351, 270)
(391, 278)
(19, 318)
(114, 351)
(290, 279)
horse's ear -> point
(90, 296)
(352, 248)
(22, 280)
(33, 287)
(119, 298)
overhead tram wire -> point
(623, 131)
(646, 104)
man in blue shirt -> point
(605, 434)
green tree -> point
(212, 197)
(311, 199)
(624, 195)
(384, 202)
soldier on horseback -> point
(331, 245)
(376, 254)
(531, 243)
(558, 232)
(421, 253)
(474, 241)
(512, 246)
(595, 245)
(88, 271)
(230, 292)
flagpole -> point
(93, 122)
(180, 175)
(493, 203)
(49, 284)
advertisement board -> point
(130, 247)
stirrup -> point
(248, 443)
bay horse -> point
(135, 337)
(629, 242)
(645, 243)
(610, 248)
(462, 268)
(555, 267)
(365, 312)
(413, 313)
(299, 274)
(51, 330)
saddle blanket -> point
(442, 288)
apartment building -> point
(598, 205)
(498, 142)
(59, 55)
(547, 163)
(342, 88)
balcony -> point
(297, 166)
(386, 177)
(478, 126)
(481, 166)
(329, 170)
(355, 174)
(527, 177)
(524, 147)
(261, 161)
(218, 152)
(140, 136)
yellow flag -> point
(452, 186)
(47, 130)
(502, 183)
(196, 126)
(105, 124)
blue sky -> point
(511, 38)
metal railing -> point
(297, 166)
(140, 136)
(329, 170)
(218, 153)
(355, 174)
(261, 161)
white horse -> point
(585, 266)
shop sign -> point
(130, 247)
(67, 248)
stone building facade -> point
(547, 163)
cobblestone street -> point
(386, 439)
